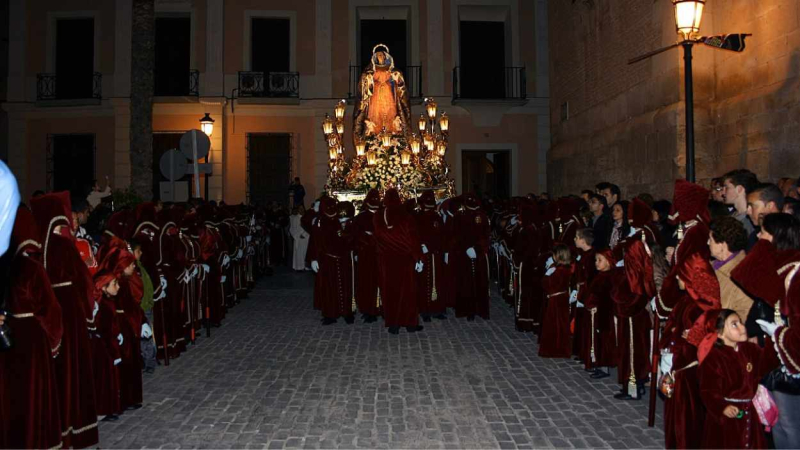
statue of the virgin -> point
(384, 98)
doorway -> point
(71, 163)
(487, 173)
(269, 168)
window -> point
(74, 61)
(482, 59)
(270, 42)
(393, 33)
(71, 163)
(173, 74)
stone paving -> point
(273, 377)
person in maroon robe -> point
(333, 262)
(212, 256)
(448, 210)
(309, 222)
(106, 341)
(30, 385)
(585, 269)
(130, 317)
(429, 282)
(399, 255)
(367, 292)
(471, 258)
(599, 327)
(526, 256)
(73, 287)
(690, 212)
(730, 370)
(554, 340)
(684, 412)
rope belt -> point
(557, 294)
(22, 315)
(58, 285)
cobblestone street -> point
(273, 377)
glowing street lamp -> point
(207, 125)
(688, 14)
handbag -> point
(780, 381)
(766, 408)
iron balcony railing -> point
(488, 83)
(269, 84)
(411, 74)
(176, 85)
(50, 86)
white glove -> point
(573, 296)
(355, 258)
(502, 250)
(550, 262)
(633, 231)
(419, 266)
(369, 233)
(94, 311)
(768, 327)
(343, 220)
(249, 239)
(222, 280)
(147, 332)
(550, 271)
(514, 220)
(269, 240)
(226, 261)
(471, 253)
(653, 304)
(206, 268)
(239, 254)
(621, 263)
(163, 282)
(579, 305)
(666, 362)
(315, 266)
(447, 258)
(117, 361)
(578, 258)
(316, 206)
(120, 339)
(424, 249)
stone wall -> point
(626, 122)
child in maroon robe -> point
(730, 370)
(554, 340)
(599, 326)
(106, 342)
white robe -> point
(300, 242)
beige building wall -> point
(323, 46)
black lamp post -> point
(688, 14)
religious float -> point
(390, 151)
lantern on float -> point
(340, 127)
(327, 125)
(361, 148)
(441, 148)
(414, 142)
(372, 158)
(423, 123)
(430, 106)
(340, 109)
(405, 158)
(332, 141)
(332, 153)
(444, 123)
(429, 143)
(386, 138)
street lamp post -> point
(688, 14)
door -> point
(482, 59)
(268, 168)
(72, 163)
(486, 173)
(74, 58)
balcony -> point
(411, 74)
(174, 84)
(69, 88)
(506, 85)
(269, 85)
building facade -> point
(625, 123)
(267, 71)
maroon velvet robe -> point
(398, 251)
(131, 318)
(584, 272)
(529, 292)
(448, 273)
(105, 348)
(74, 365)
(634, 325)
(28, 382)
(599, 324)
(212, 248)
(472, 275)
(430, 228)
(554, 340)
(367, 265)
(731, 374)
(336, 262)
(695, 240)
